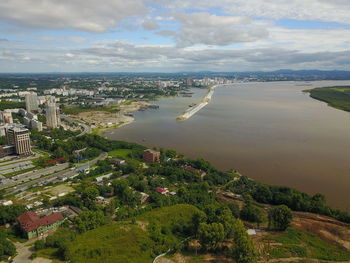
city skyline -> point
(173, 36)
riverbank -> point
(272, 132)
(193, 110)
(337, 97)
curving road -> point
(86, 128)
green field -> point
(337, 97)
(295, 243)
(123, 242)
(169, 215)
(120, 153)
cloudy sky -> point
(173, 35)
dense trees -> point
(243, 249)
(6, 247)
(251, 213)
(89, 220)
(3, 140)
(210, 235)
(280, 217)
(279, 195)
(9, 214)
(125, 193)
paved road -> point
(62, 174)
(86, 128)
(32, 175)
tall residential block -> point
(51, 115)
(19, 137)
(32, 103)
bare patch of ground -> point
(62, 188)
(142, 224)
(105, 119)
(326, 228)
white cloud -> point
(86, 15)
(322, 10)
(208, 29)
(150, 25)
(69, 55)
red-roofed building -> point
(162, 191)
(34, 225)
(188, 168)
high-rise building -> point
(19, 137)
(51, 115)
(31, 102)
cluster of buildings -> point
(209, 81)
(17, 135)
(30, 120)
(51, 110)
(65, 92)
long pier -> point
(204, 102)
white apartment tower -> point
(52, 118)
(31, 102)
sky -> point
(173, 35)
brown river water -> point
(270, 131)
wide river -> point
(271, 131)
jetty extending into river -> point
(193, 110)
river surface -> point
(271, 131)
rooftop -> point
(30, 221)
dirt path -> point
(24, 251)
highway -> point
(62, 174)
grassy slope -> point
(295, 243)
(122, 242)
(337, 97)
(169, 215)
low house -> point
(102, 177)
(144, 198)
(35, 226)
(118, 161)
(188, 168)
(162, 191)
(6, 202)
(84, 169)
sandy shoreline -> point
(101, 121)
